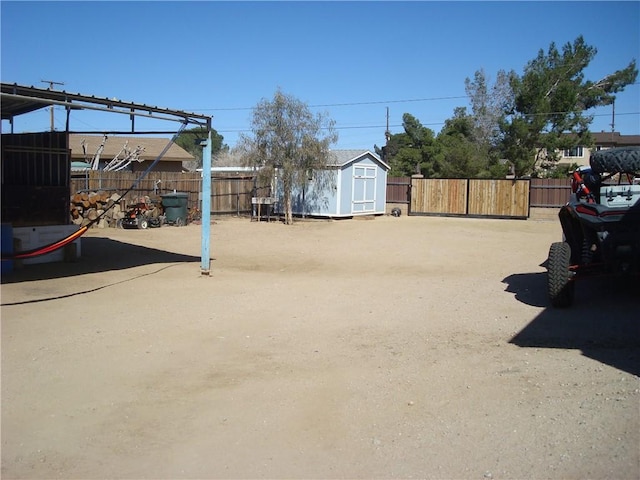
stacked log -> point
(85, 207)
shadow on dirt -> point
(98, 255)
(603, 322)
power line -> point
(351, 104)
(347, 104)
(362, 127)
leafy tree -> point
(550, 100)
(189, 139)
(460, 154)
(411, 151)
(288, 140)
(453, 153)
(561, 171)
(457, 156)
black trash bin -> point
(175, 207)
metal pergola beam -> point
(18, 100)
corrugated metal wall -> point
(35, 179)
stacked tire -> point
(616, 160)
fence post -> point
(205, 261)
(237, 182)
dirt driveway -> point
(411, 347)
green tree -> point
(288, 140)
(550, 101)
(457, 155)
(411, 151)
(189, 139)
(460, 154)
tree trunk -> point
(288, 211)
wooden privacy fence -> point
(399, 190)
(472, 197)
(477, 197)
(543, 192)
(550, 192)
(228, 194)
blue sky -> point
(351, 60)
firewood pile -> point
(87, 206)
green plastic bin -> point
(175, 207)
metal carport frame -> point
(17, 100)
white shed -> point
(354, 183)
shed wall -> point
(355, 188)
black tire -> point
(179, 222)
(616, 160)
(559, 283)
(143, 223)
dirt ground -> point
(411, 347)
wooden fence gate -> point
(470, 197)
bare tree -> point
(121, 161)
(488, 104)
(289, 142)
(226, 158)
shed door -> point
(364, 189)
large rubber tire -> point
(616, 160)
(143, 223)
(559, 283)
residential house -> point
(603, 140)
(145, 151)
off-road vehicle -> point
(600, 223)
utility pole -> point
(613, 116)
(51, 84)
(387, 136)
(387, 133)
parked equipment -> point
(600, 223)
(142, 215)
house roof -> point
(114, 144)
(615, 139)
(340, 158)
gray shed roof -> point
(340, 158)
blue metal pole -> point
(205, 261)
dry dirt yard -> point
(411, 347)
